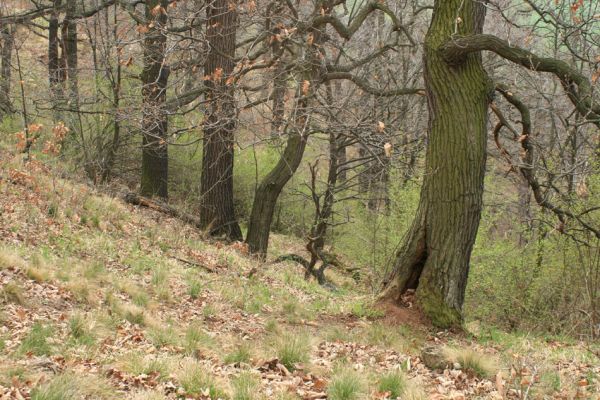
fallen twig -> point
(195, 264)
(135, 199)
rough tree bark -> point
(70, 38)
(434, 259)
(217, 212)
(7, 37)
(155, 75)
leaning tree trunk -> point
(155, 75)
(434, 258)
(270, 188)
(217, 213)
(7, 35)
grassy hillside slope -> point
(104, 300)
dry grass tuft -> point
(293, 348)
(196, 380)
(10, 259)
(149, 395)
(37, 274)
(12, 293)
(481, 365)
(83, 291)
(69, 386)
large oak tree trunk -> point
(155, 165)
(217, 212)
(434, 258)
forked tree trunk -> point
(217, 213)
(434, 258)
(155, 75)
(324, 210)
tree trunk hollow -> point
(434, 258)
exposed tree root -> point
(310, 270)
(195, 264)
(135, 199)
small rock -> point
(433, 357)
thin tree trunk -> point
(113, 147)
(71, 68)
(217, 212)
(270, 188)
(323, 212)
(279, 87)
(70, 38)
(278, 76)
(434, 258)
(7, 35)
(55, 75)
(155, 166)
(341, 158)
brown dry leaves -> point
(26, 194)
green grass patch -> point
(244, 386)
(292, 349)
(240, 355)
(392, 383)
(36, 341)
(195, 380)
(346, 384)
